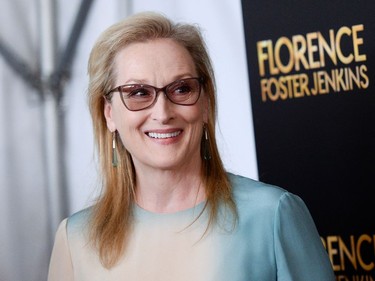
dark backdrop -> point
(318, 144)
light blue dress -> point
(275, 239)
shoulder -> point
(244, 188)
(269, 207)
(79, 221)
(256, 195)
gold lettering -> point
(354, 78)
(312, 51)
(284, 41)
(263, 89)
(332, 251)
(347, 31)
(366, 82)
(299, 46)
(344, 251)
(315, 91)
(266, 85)
(304, 83)
(283, 88)
(340, 81)
(355, 253)
(329, 49)
(361, 239)
(321, 82)
(262, 57)
(330, 81)
(358, 41)
(312, 48)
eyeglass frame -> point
(157, 90)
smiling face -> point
(165, 136)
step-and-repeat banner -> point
(311, 71)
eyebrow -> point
(175, 78)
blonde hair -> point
(112, 218)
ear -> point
(108, 114)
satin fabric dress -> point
(275, 238)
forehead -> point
(154, 59)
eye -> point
(137, 92)
(181, 88)
(184, 89)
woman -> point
(169, 210)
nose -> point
(162, 110)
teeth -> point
(164, 136)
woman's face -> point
(165, 136)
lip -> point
(164, 134)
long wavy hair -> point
(112, 218)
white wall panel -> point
(24, 237)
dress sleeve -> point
(61, 268)
(300, 254)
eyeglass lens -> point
(140, 96)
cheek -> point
(121, 117)
(194, 115)
(125, 128)
(124, 123)
(128, 124)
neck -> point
(168, 192)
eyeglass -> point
(137, 97)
